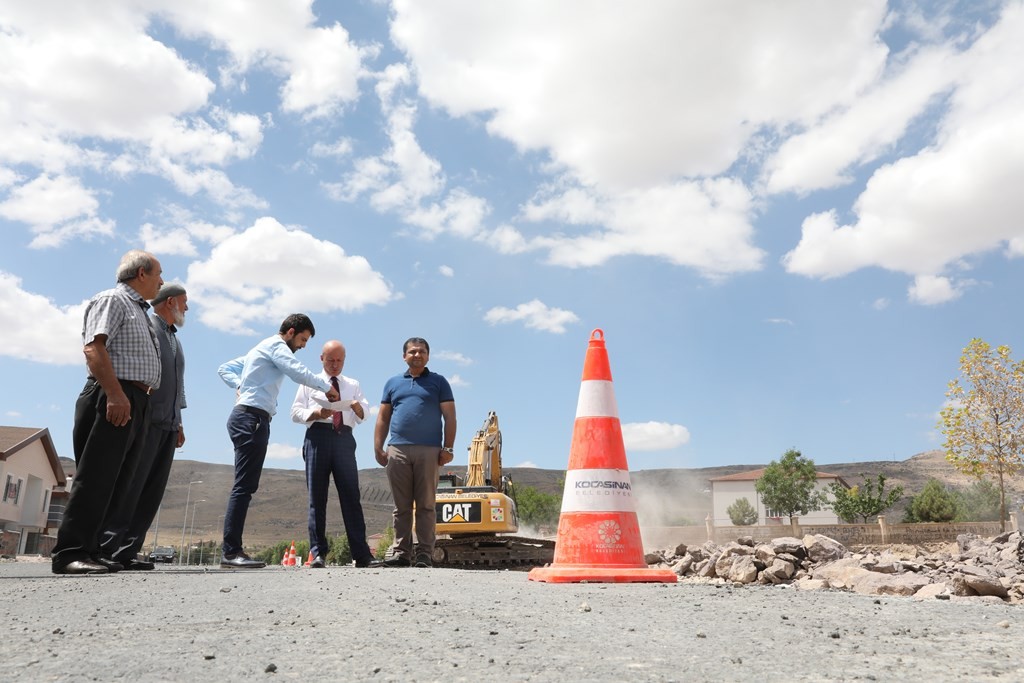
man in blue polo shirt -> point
(257, 378)
(412, 409)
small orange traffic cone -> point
(309, 560)
(291, 556)
(598, 532)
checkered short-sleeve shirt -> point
(120, 314)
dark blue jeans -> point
(250, 434)
(329, 453)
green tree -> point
(338, 552)
(935, 503)
(861, 501)
(983, 420)
(979, 502)
(387, 539)
(537, 508)
(788, 485)
(741, 512)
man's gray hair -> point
(131, 262)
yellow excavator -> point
(476, 514)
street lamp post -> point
(191, 529)
(184, 522)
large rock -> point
(821, 548)
(743, 569)
(986, 585)
(683, 564)
(779, 571)
(730, 552)
(790, 545)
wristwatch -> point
(450, 450)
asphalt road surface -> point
(452, 625)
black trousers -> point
(105, 458)
(329, 453)
(124, 531)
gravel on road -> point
(343, 623)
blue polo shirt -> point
(416, 408)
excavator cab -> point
(474, 513)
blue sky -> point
(788, 218)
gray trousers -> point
(412, 474)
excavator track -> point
(493, 552)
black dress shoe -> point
(138, 566)
(81, 567)
(371, 564)
(423, 561)
(397, 561)
(111, 564)
(317, 563)
(241, 561)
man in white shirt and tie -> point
(330, 449)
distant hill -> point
(665, 497)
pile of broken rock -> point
(975, 568)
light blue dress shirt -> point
(258, 375)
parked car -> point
(163, 553)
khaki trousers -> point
(412, 474)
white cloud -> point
(820, 157)
(181, 240)
(447, 271)
(654, 436)
(320, 64)
(93, 89)
(880, 304)
(452, 356)
(779, 321)
(527, 463)
(580, 85)
(268, 271)
(341, 148)
(405, 179)
(703, 225)
(535, 315)
(283, 451)
(62, 343)
(57, 208)
(957, 198)
(457, 381)
(931, 289)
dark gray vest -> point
(166, 402)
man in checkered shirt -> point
(122, 355)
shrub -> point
(935, 503)
(742, 513)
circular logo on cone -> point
(609, 531)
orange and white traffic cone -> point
(598, 532)
(291, 556)
(309, 560)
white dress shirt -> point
(305, 403)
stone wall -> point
(9, 541)
(847, 534)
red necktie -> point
(336, 418)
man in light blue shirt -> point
(257, 378)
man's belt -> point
(328, 425)
(255, 411)
(144, 388)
